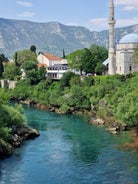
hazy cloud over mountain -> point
(127, 5)
(24, 3)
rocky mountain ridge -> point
(52, 37)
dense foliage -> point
(88, 60)
(11, 71)
(116, 95)
(10, 116)
(25, 66)
(25, 55)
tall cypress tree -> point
(64, 54)
(16, 63)
(1, 68)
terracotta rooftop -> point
(52, 57)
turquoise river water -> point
(69, 151)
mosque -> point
(120, 56)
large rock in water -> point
(6, 149)
(26, 132)
(18, 136)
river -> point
(69, 151)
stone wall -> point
(7, 84)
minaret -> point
(111, 52)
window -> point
(130, 68)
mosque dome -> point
(129, 38)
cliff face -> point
(52, 37)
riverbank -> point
(18, 135)
(108, 122)
(133, 145)
(68, 144)
(114, 128)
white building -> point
(120, 57)
(56, 71)
(55, 66)
(124, 54)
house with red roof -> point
(55, 66)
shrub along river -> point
(69, 151)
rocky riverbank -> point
(18, 135)
(133, 145)
(109, 122)
(111, 125)
(114, 127)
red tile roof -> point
(52, 57)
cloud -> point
(27, 14)
(24, 3)
(126, 22)
(128, 5)
(72, 24)
(102, 23)
(98, 23)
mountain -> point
(51, 37)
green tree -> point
(22, 56)
(78, 98)
(22, 90)
(100, 68)
(75, 80)
(4, 97)
(88, 81)
(33, 73)
(9, 115)
(87, 59)
(29, 65)
(65, 80)
(11, 71)
(99, 54)
(3, 58)
(41, 73)
(33, 48)
(64, 56)
(127, 110)
(75, 60)
(1, 68)
(87, 63)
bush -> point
(65, 108)
(4, 96)
(9, 117)
(65, 80)
(79, 98)
(22, 90)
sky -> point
(92, 14)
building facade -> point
(120, 56)
(55, 66)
